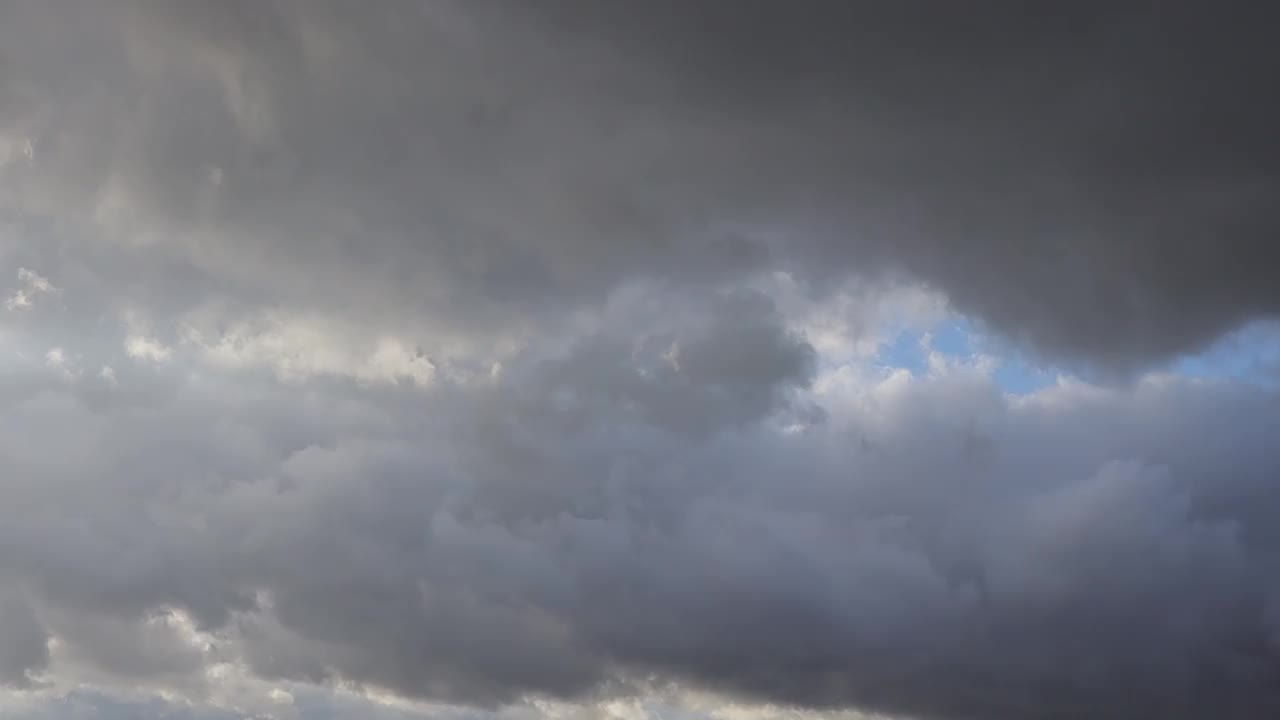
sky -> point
(639, 360)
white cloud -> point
(15, 149)
(296, 349)
(31, 287)
(57, 359)
(140, 347)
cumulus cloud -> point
(140, 347)
(535, 360)
(31, 285)
(930, 546)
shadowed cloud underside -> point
(628, 360)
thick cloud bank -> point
(927, 546)
(1097, 180)
(534, 359)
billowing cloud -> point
(1095, 181)
(537, 360)
(925, 545)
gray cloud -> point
(22, 640)
(467, 352)
(1107, 551)
(1096, 181)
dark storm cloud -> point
(1097, 180)
(628, 465)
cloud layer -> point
(529, 359)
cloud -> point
(31, 285)
(145, 348)
(23, 651)
(925, 546)
(1089, 185)
(300, 348)
(527, 360)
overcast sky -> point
(639, 360)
